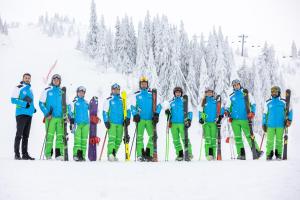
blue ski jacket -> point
(142, 105)
(236, 105)
(274, 113)
(51, 99)
(113, 110)
(209, 112)
(80, 110)
(22, 95)
(177, 110)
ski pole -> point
(103, 145)
(47, 129)
(133, 140)
(167, 139)
(262, 140)
(201, 144)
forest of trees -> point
(168, 57)
(57, 26)
(3, 27)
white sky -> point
(276, 21)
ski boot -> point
(278, 156)
(58, 156)
(111, 158)
(242, 156)
(114, 154)
(147, 155)
(270, 156)
(180, 156)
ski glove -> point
(155, 118)
(264, 127)
(251, 115)
(107, 124)
(201, 121)
(187, 123)
(72, 121)
(94, 119)
(219, 119)
(126, 122)
(126, 139)
(137, 118)
(167, 112)
(227, 114)
(288, 123)
(27, 99)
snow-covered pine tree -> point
(91, 44)
(184, 55)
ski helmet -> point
(209, 89)
(177, 89)
(276, 90)
(81, 88)
(56, 76)
(115, 86)
(143, 79)
(235, 81)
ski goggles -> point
(81, 89)
(116, 86)
(236, 81)
(56, 76)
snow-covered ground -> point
(27, 50)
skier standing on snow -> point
(177, 123)
(23, 98)
(80, 119)
(51, 105)
(237, 113)
(274, 122)
(144, 117)
(208, 118)
(113, 117)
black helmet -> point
(176, 89)
(276, 90)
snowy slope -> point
(27, 50)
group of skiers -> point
(117, 113)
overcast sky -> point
(277, 21)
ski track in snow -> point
(28, 50)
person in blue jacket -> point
(143, 115)
(113, 117)
(178, 123)
(51, 106)
(274, 122)
(208, 117)
(23, 98)
(238, 116)
(80, 117)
